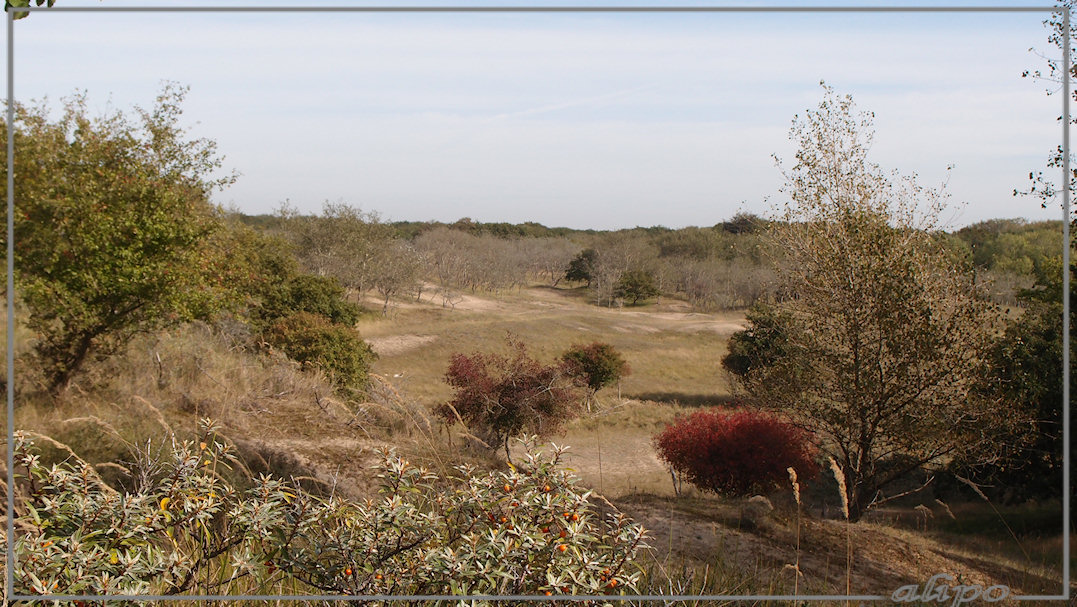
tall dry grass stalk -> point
(796, 496)
(843, 491)
(976, 488)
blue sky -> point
(602, 121)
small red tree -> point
(736, 452)
(498, 397)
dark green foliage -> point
(304, 315)
(320, 295)
(314, 340)
(636, 285)
(698, 244)
(744, 223)
(581, 269)
(1028, 361)
(759, 345)
(527, 229)
(598, 364)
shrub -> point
(312, 339)
(759, 345)
(321, 295)
(736, 453)
(499, 397)
(185, 530)
(597, 365)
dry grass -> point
(672, 354)
(278, 418)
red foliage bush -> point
(736, 452)
(499, 397)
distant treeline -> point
(724, 266)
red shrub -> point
(499, 397)
(736, 452)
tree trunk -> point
(65, 370)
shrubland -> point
(159, 308)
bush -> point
(185, 530)
(597, 365)
(759, 345)
(321, 295)
(736, 453)
(499, 397)
(312, 339)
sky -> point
(601, 121)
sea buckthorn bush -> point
(736, 452)
(527, 530)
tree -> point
(581, 267)
(885, 338)
(398, 270)
(297, 292)
(597, 365)
(113, 228)
(744, 223)
(498, 397)
(758, 346)
(1027, 358)
(344, 242)
(635, 285)
(1043, 186)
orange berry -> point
(562, 547)
(548, 593)
(545, 529)
(564, 533)
(508, 487)
(377, 576)
(567, 514)
(546, 488)
(348, 571)
(612, 583)
(575, 516)
(504, 520)
(514, 504)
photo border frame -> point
(12, 12)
